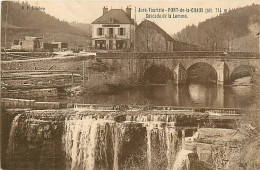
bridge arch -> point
(158, 74)
(242, 71)
(201, 72)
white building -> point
(114, 30)
(28, 43)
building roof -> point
(151, 25)
(118, 16)
(31, 38)
(57, 42)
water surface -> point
(192, 95)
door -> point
(111, 32)
(110, 44)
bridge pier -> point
(181, 75)
(222, 74)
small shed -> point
(28, 44)
(59, 46)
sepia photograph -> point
(130, 85)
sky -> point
(86, 11)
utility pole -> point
(83, 84)
(258, 36)
(228, 45)
(130, 60)
(134, 31)
(72, 78)
(6, 24)
(146, 36)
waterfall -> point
(117, 137)
(87, 143)
(182, 160)
(171, 140)
(116, 149)
(149, 152)
(161, 140)
(100, 140)
(81, 141)
(14, 127)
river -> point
(238, 95)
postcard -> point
(130, 85)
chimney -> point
(105, 10)
(128, 12)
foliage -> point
(253, 115)
(20, 16)
(251, 149)
(217, 33)
(251, 154)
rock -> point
(219, 147)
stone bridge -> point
(182, 67)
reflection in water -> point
(242, 91)
(201, 94)
(243, 95)
(198, 95)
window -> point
(111, 31)
(100, 31)
(121, 31)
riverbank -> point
(250, 152)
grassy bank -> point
(103, 83)
(250, 154)
(108, 83)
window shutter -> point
(97, 31)
(102, 31)
(123, 31)
(118, 31)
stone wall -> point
(30, 104)
(17, 103)
(56, 63)
(33, 93)
(46, 105)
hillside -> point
(235, 30)
(22, 22)
(82, 26)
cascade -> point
(11, 142)
(99, 141)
